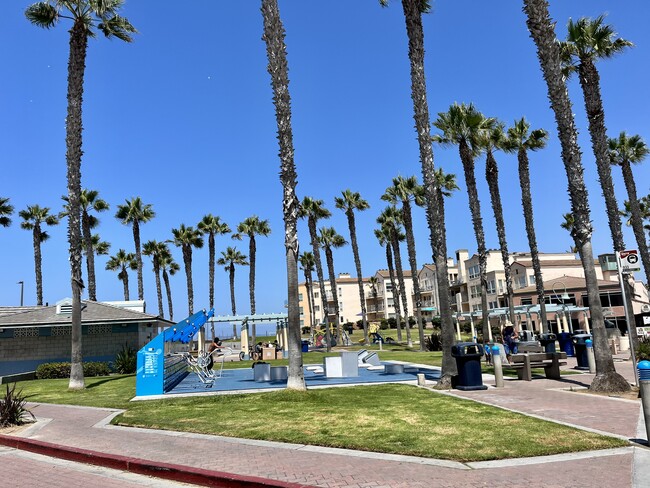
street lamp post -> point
(563, 297)
(22, 288)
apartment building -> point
(347, 291)
(428, 280)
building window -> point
(492, 305)
(316, 294)
(527, 301)
(474, 272)
(475, 291)
(340, 305)
(301, 311)
(389, 302)
(300, 297)
(520, 282)
(491, 288)
(501, 286)
(531, 279)
(389, 287)
(316, 308)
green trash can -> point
(468, 360)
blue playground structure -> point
(162, 364)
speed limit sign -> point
(628, 261)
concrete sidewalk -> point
(80, 428)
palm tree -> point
(86, 15)
(391, 218)
(156, 250)
(413, 10)
(313, 210)
(329, 239)
(462, 125)
(587, 42)
(251, 227)
(384, 237)
(276, 51)
(186, 238)
(625, 151)
(521, 140)
(134, 213)
(306, 260)
(167, 263)
(212, 226)
(229, 258)
(34, 217)
(100, 247)
(542, 31)
(89, 200)
(350, 201)
(122, 262)
(403, 191)
(491, 140)
(6, 210)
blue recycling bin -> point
(468, 361)
(566, 344)
(305, 346)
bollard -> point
(644, 385)
(381, 341)
(498, 370)
(591, 359)
(421, 379)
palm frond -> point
(117, 26)
(42, 14)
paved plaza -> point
(223, 461)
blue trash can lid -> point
(495, 349)
(643, 364)
(589, 343)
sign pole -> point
(628, 313)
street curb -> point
(168, 471)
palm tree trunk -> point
(310, 302)
(492, 177)
(124, 276)
(187, 260)
(402, 287)
(410, 246)
(335, 296)
(74, 128)
(156, 271)
(434, 211)
(357, 264)
(278, 69)
(311, 223)
(395, 288)
(138, 257)
(548, 51)
(90, 255)
(211, 256)
(636, 219)
(477, 221)
(36, 238)
(231, 274)
(252, 251)
(527, 204)
(590, 83)
(168, 288)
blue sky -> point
(183, 118)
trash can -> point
(548, 342)
(305, 346)
(468, 360)
(581, 350)
(566, 344)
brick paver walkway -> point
(86, 428)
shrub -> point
(383, 325)
(125, 360)
(433, 342)
(643, 352)
(12, 408)
(48, 371)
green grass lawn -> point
(396, 419)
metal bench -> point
(525, 362)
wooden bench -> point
(524, 364)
